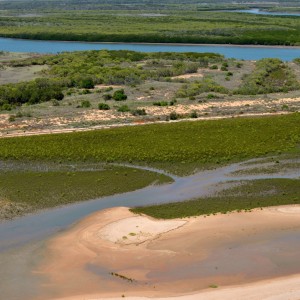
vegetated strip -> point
(26, 191)
(253, 194)
(201, 143)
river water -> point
(257, 11)
(229, 51)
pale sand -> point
(276, 289)
(78, 262)
(137, 229)
(189, 75)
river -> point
(229, 51)
(257, 11)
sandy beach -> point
(114, 253)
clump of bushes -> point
(160, 103)
(103, 106)
(85, 104)
(270, 75)
(193, 89)
(173, 115)
(119, 95)
(123, 108)
(31, 92)
(193, 115)
(139, 112)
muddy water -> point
(38, 226)
(21, 239)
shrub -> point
(86, 83)
(160, 103)
(119, 95)
(12, 118)
(55, 102)
(103, 106)
(107, 97)
(214, 67)
(211, 96)
(173, 102)
(194, 115)
(123, 108)
(173, 115)
(85, 104)
(139, 112)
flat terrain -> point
(163, 262)
(62, 93)
(144, 21)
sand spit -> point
(137, 229)
(245, 255)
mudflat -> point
(115, 253)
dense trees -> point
(39, 90)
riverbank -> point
(158, 44)
(132, 255)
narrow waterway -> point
(229, 51)
(22, 239)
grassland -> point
(197, 144)
(26, 190)
(247, 196)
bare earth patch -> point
(216, 257)
(137, 229)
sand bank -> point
(253, 255)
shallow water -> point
(21, 239)
(42, 224)
(257, 11)
(230, 51)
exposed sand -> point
(189, 75)
(276, 289)
(137, 229)
(178, 258)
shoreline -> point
(153, 251)
(158, 44)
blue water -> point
(257, 11)
(230, 51)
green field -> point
(114, 21)
(170, 146)
(247, 196)
(24, 191)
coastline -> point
(159, 44)
(156, 258)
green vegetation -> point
(103, 106)
(119, 95)
(250, 195)
(171, 21)
(270, 75)
(34, 189)
(38, 90)
(199, 87)
(168, 145)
